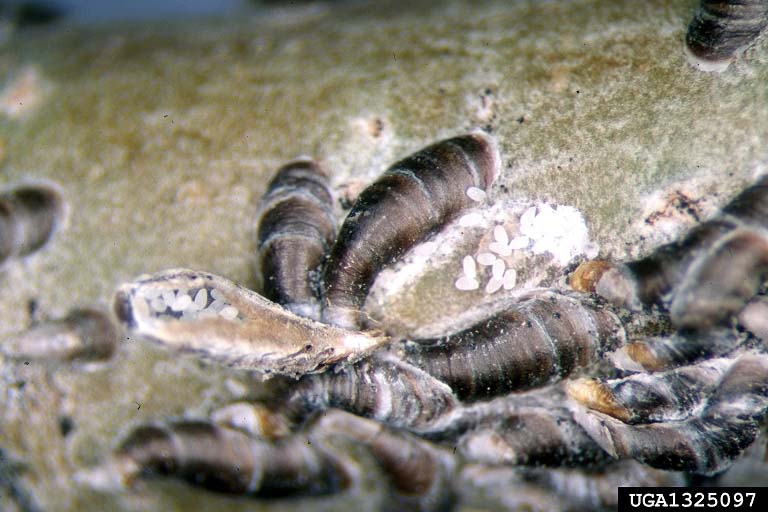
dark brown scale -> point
(409, 202)
(411, 467)
(383, 389)
(420, 475)
(532, 343)
(229, 461)
(732, 270)
(707, 276)
(522, 430)
(295, 231)
(704, 444)
(28, 217)
(721, 28)
(719, 286)
(644, 398)
(532, 436)
(83, 335)
(658, 273)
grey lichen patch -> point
(163, 137)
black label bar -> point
(641, 499)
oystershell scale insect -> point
(721, 29)
(29, 215)
(83, 335)
(410, 201)
(261, 335)
(296, 227)
(676, 275)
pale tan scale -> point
(250, 332)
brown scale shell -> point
(532, 436)
(705, 443)
(420, 474)
(730, 250)
(538, 340)
(409, 202)
(646, 398)
(227, 460)
(232, 325)
(382, 388)
(296, 227)
(722, 28)
(29, 216)
(83, 335)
